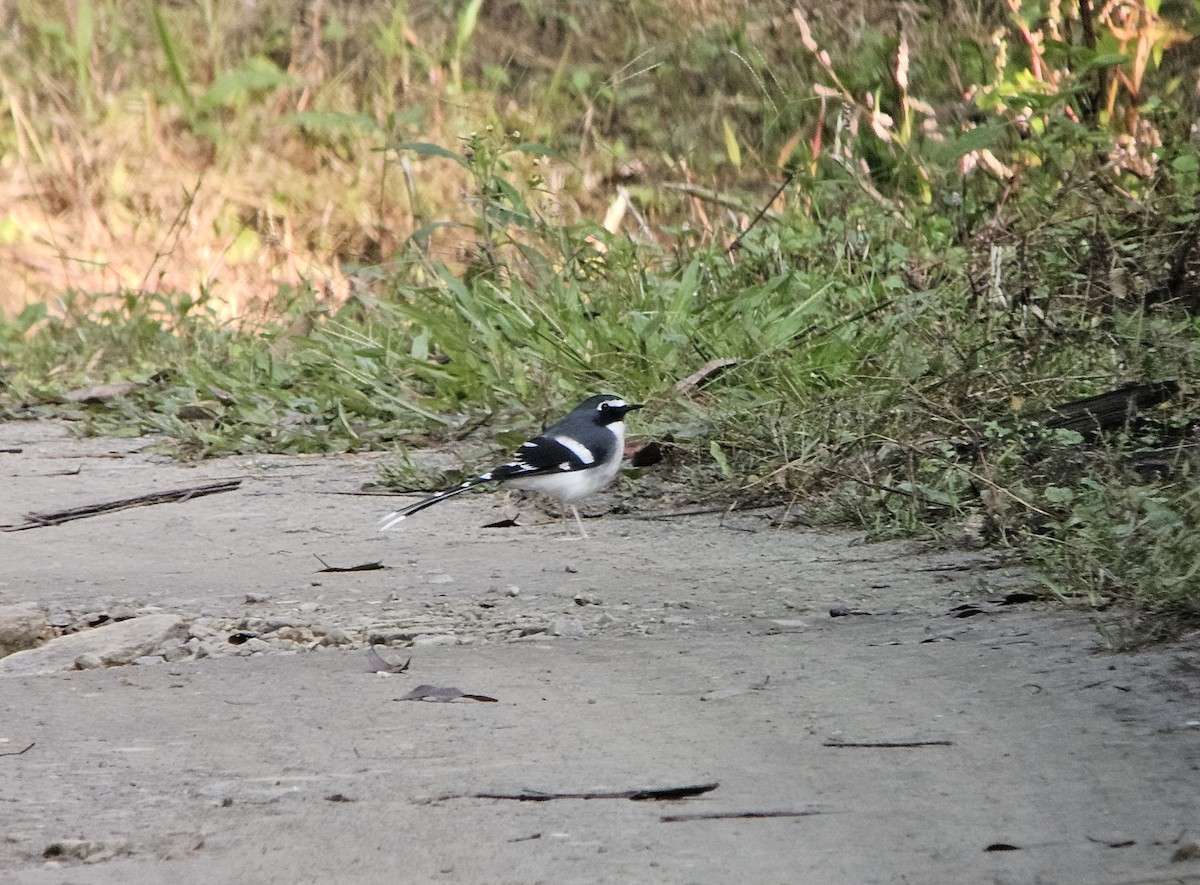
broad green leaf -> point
(426, 149)
(731, 144)
(718, 455)
(234, 84)
(539, 150)
(1057, 495)
(972, 140)
(1108, 60)
(1185, 163)
(467, 22)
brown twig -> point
(735, 815)
(38, 520)
(705, 372)
(1031, 40)
(171, 237)
(674, 514)
(20, 752)
(652, 794)
(711, 196)
(887, 745)
(787, 179)
(361, 567)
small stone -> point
(587, 598)
(527, 634)
(145, 660)
(512, 590)
(431, 640)
(1185, 852)
(180, 847)
(21, 626)
(270, 625)
(60, 620)
(441, 579)
(87, 851)
(567, 628)
(250, 646)
(308, 607)
(336, 636)
(176, 651)
(200, 630)
(88, 661)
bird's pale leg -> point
(567, 536)
(579, 522)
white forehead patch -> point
(611, 404)
(576, 448)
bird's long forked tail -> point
(396, 517)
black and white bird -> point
(570, 460)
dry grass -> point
(112, 183)
(117, 175)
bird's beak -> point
(634, 406)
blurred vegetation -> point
(850, 258)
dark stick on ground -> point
(361, 567)
(651, 794)
(887, 745)
(735, 815)
(57, 517)
(1112, 410)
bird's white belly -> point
(570, 486)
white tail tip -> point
(391, 521)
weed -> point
(898, 272)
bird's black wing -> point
(543, 455)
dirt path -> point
(657, 653)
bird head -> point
(607, 408)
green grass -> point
(886, 329)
